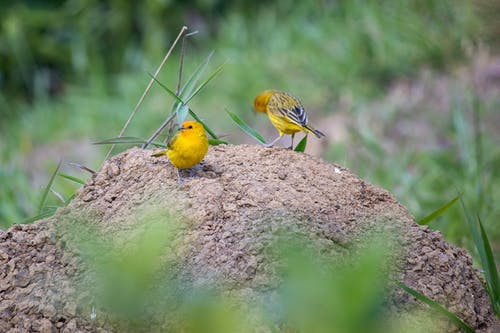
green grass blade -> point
(486, 256)
(122, 139)
(71, 197)
(438, 307)
(438, 212)
(188, 87)
(46, 191)
(42, 215)
(201, 86)
(301, 147)
(73, 179)
(216, 142)
(191, 112)
(476, 237)
(492, 277)
(180, 107)
(168, 90)
(247, 129)
(208, 129)
(159, 144)
(127, 140)
(50, 208)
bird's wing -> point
(169, 146)
(172, 141)
(288, 106)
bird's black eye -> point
(190, 126)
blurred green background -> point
(407, 91)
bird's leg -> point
(179, 178)
(273, 142)
(191, 173)
(291, 146)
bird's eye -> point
(190, 126)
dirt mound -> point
(240, 197)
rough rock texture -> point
(240, 197)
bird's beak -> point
(180, 128)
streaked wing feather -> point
(298, 115)
(288, 106)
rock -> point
(43, 326)
(224, 221)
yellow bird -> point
(188, 147)
(285, 112)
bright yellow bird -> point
(285, 112)
(188, 147)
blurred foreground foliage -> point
(135, 286)
(338, 56)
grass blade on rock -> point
(301, 146)
(435, 214)
(437, 307)
(46, 191)
(73, 179)
(247, 129)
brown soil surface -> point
(239, 198)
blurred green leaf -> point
(435, 214)
(320, 294)
(437, 307)
(129, 269)
(247, 129)
(209, 312)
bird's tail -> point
(316, 132)
(160, 153)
